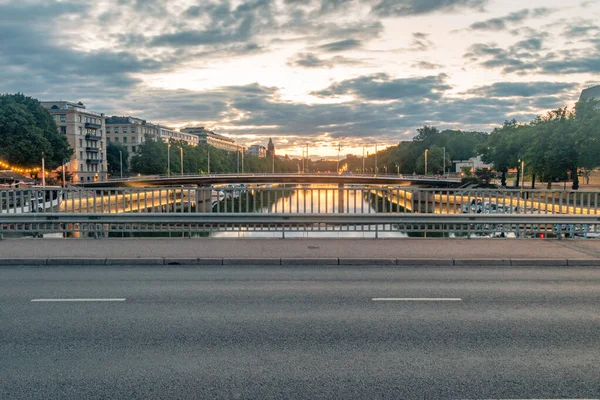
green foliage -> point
(27, 130)
(113, 158)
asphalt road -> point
(291, 333)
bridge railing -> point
(305, 199)
(285, 225)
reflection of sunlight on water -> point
(321, 199)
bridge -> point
(278, 178)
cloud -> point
(523, 89)
(516, 60)
(386, 8)
(517, 17)
(426, 65)
(383, 87)
(310, 60)
(342, 45)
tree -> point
(151, 157)
(114, 151)
(27, 131)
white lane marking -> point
(72, 300)
(414, 299)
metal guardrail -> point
(102, 225)
(305, 208)
(314, 199)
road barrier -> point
(189, 225)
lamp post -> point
(426, 151)
(376, 168)
(181, 158)
(168, 160)
(398, 169)
(63, 175)
(43, 171)
(522, 174)
(444, 170)
(363, 170)
(121, 162)
(338, 159)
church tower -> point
(270, 148)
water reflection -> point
(312, 199)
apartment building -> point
(130, 132)
(85, 132)
(257, 150)
(212, 139)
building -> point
(85, 132)
(130, 132)
(474, 163)
(212, 139)
(591, 93)
(270, 148)
(257, 150)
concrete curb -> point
(401, 262)
(135, 261)
(309, 261)
(210, 261)
(367, 261)
(76, 261)
(481, 262)
(22, 261)
(415, 262)
(181, 261)
(251, 261)
(584, 263)
(539, 263)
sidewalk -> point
(300, 251)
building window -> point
(100, 130)
(133, 139)
(63, 130)
(80, 131)
(124, 139)
(116, 139)
(63, 118)
(80, 143)
(81, 155)
(81, 167)
(133, 149)
(80, 118)
(101, 144)
(107, 140)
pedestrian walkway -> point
(299, 251)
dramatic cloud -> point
(502, 23)
(342, 45)
(310, 60)
(415, 7)
(383, 87)
(522, 89)
(304, 69)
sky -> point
(327, 73)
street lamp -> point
(363, 160)
(398, 169)
(121, 162)
(444, 170)
(376, 168)
(169, 160)
(522, 174)
(426, 151)
(43, 171)
(181, 157)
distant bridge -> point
(330, 179)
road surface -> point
(299, 333)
